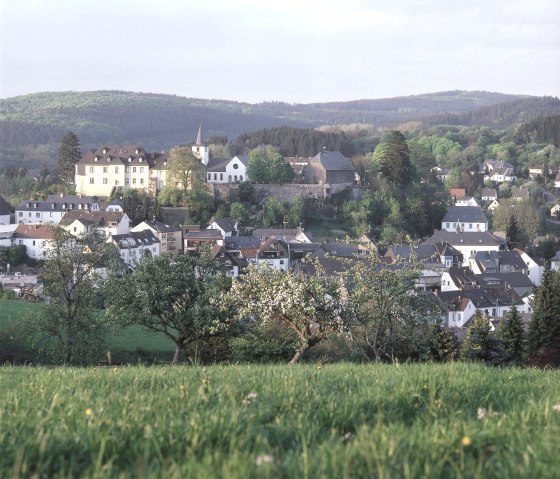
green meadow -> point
(309, 421)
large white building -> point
(51, 210)
(99, 172)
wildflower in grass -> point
(481, 412)
(89, 411)
(466, 441)
(115, 370)
(264, 459)
(556, 408)
(249, 398)
(347, 436)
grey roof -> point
(58, 203)
(473, 238)
(217, 165)
(341, 250)
(281, 233)
(101, 218)
(516, 279)
(520, 193)
(226, 224)
(465, 214)
(134, 239)
(333, 160)
(236, 242)
(204, 234)
(125, 155)
(511, 258)
(4, 207)
(162, 227)
(489, 192)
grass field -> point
(340, 421)
(130, 344)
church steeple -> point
(199, 150)
(199, 137)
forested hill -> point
(501, 115)
(161, 121)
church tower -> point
(199, 150)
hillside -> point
(161, 121)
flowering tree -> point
(310, 305)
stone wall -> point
(286, 193)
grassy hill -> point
(343, 421)
(161, 121)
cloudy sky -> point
(289, 50)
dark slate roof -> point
(162, 227)
(4, 207)
(204, 234)
(520, 193)
(333, 160)
(511, 258)
(473, 238)
(516, 279)
(342, 250)
(489, 192)
(226, 224)
(462, 276)
(101, 218)
(465, 214)
(58, 203)
(134, 239)
(217, 165)
(236, 242)
(454, 300)
(124, 154)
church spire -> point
(199, 136)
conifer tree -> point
(391, 158)
(479, 344)
(68, 155)
(513, 234)
(543, 320)
(513, 336)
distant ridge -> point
(159, 121)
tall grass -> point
(307, 422)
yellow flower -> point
(89, 411)
(466, 441)
(115, 369)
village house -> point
(8, 235)
(227, 226)
(555, 261)
(286, 234)
(468, 243)
(489, 194)
(36, 238)
(466, 201)
(225, 260)
(520, 194)
(555, 210)
(134, 246)
(557, 180)
(539, 170)
(195, 238)
(170, 237)
(104, 223)
(465, 218)
(441, 173)
(53, 209)
(497, 171)
(233, 170)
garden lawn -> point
(339, 421)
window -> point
(20, 214)
(215, 176)
(105, 169)
(116, 169)
(116, 182)
(141, 168)
(447, 225)
(470, 226)
(126, 181)
(141, 181)
(209, 176)
(37, 215)
(33, 242)
(104, 181)
(133, 181)
(235, 166)
(91, 169)
(221, 177)
(127, 169)
(133, 169)
(91, 181)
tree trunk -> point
(178, 354)
(302, 351)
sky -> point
(297, 51)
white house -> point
(493, 206)
(53, 209)
(233, 170)
(465, 218)
(557, 180)
(555, 262)
(468, 243)
(8, 235)
(36, 238)
(227, 226)
(555, 210)
(466, 201)
(489, 194)
(169, 236)
(135, 246)
(105, 223)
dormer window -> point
(63, 206)
(35, 205)
(140, 160)
(104, 151)
(129, 159)
(52, 206)
(137, 151)
(96, 158)
(27, 205)
(108, 159)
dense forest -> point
(541, 130)
(162, 121)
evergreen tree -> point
(479, 344)
(391, 158)
(543, 321)
(68, 155)
(513, 233)
(512, 334)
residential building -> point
(465, 218)
(539, 170)
(36, 238)
(489, 194)
(497, 171)
(170, 237)
(223, 259)
(468, 243)
(329, 168)
(286, 234)
(120, 167)
(53, 208)
(555, 261)
(274, 253)
(104, 223)
(134, 246)
(466, 201)
(194, 239)
(557, 180)
(555, 210)
(227, 226)
(8, 235)
(520, 194)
